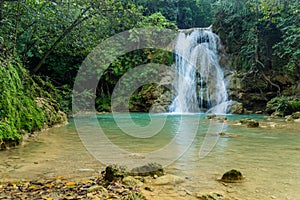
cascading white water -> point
(200, 84)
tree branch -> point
(63, 35)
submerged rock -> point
(150, 169)
(245, 121)
(169, 179)
(250, 122)
(212, 196)
(210, 116)
(232, 176)
(221, 119)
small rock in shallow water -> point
(212, 196)
(169, 179)
(210, 116)
(245, 121)
(86, 170)
(252, 124)
(232, 176)
(150, 169)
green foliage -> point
(19, 110)
(295, 105)
(33, 28)
(133, 59)
(288, 49)
(260, 33)
(186, 13)
(278, 104)
(283, 104)
(103, 104)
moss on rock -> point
(232, 176)
(26, 104)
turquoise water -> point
(268, 156)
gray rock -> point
(211, 196)
(169, 179)
(232, 176)
(150, 169)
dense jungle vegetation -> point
(44, 42)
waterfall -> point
(200, 84)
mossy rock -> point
(249, 122)
(150, 169)
(252, 124)
(131, 181)
(232, 176)
(210, 116)
(212, 196)
(296, 115)
(134, 196)
(115, 172)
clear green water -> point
(268, 157)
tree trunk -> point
(1, 8)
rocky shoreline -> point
(113, 183)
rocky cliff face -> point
(254, 90)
